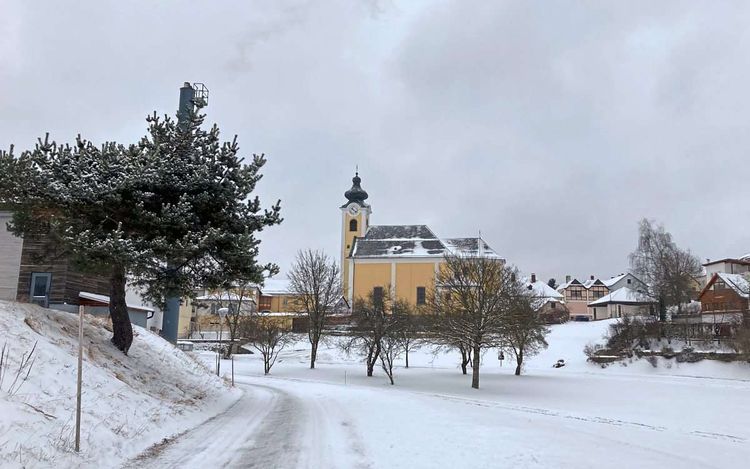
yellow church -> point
(405, 258)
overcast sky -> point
(552, 127)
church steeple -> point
(356, 193)
(355, 220)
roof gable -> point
(736, 282)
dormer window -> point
(352, 225)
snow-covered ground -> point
(129, 403)
(581, 415)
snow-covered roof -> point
(225, 296)
(736, 282)
(623, 295)
(591, 282)
(611, 281)
(402, 241)
(542, 290)
(398, 241)
(567, 284)
(105, 299)
(275, 286)
(470, 247)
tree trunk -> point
(464, 360)
(314, 352)
(407, 357)
(475, 368)
(372, 359)
(519, 362)
(122, 330)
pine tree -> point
(171, 213)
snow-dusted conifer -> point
(171, 213)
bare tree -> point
(315, 280)
(240, 303)
(470, 303)
(267, 336)
(374, 319)
(524, 330)
(668, 272)
(410, 328)
(391, 348)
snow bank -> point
(129, 402)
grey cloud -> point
(551, 127)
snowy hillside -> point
(129, 402)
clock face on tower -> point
(353, 209)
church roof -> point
(398, 241)
(470, 247)
(415, 241)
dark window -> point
(629, 282)
(377, 295)
(421, 295)
(40, 285)
(353, 225)
(553, 304)
(575, 294)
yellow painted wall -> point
(369, 276)
(183, 322)
(361, 218)
(283, 304)
(409, 276)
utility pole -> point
(190, 96)
(80, 378)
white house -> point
(622, 302)
(624, 280)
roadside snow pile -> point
(129, 402)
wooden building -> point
(50, 279)
(724, 302)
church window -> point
(353, 225)
(421, 295)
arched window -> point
(352, 225)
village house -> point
(724, 303)
(624, 301)
(739, 265)
(578, 295)
(550, 303)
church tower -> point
(355, 219)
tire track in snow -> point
(267, 428)
(592, 419)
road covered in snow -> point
(573, 417)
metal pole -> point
(80, 378)
(171, 314)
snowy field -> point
(129, 403)
(629, 415)
(581, 415)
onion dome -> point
(356, 193)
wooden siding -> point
(66, 283)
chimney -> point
(533, 278)
(592, 277)
(567, 278)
